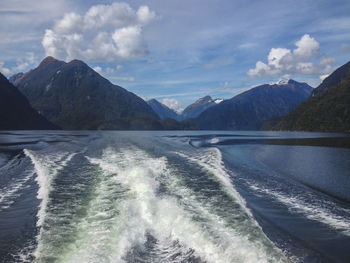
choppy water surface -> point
(174, 197)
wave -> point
(129, 207)
(210, 159)
(46, 167)
(320, 211)
(11, 191)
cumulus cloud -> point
(307, 47)
(104, 33)
(304, 59)
(172, 104)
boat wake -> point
(141, 211)
(46, 168)
(318, 210)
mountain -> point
(327, 109)
(193, 110)
(16, 112)
(15, 79)
(162, 110)
(74, 96)
(248, 110)
(333, 79)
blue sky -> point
(178, 51)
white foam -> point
(117, 223)
(317, 212)
(46, 168)
(211, 160)
(214, 140)
(9, 193)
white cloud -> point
(104, 33)
(260, 70)
(144, 15)
(327, 61)
(128, 42)
(107, 72)
(307, 47)
(322, 77)
(3, 69)
(172, 104)
(276, 55)
(282, 61)
(119, 67)
(110, 74)
(98, 69)
(24, 63)
(21, 64)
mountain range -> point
(74, 96)
(190, 112)
(162, 110)
(195, 109)
(327, 109)
(16, 112)
(248, 110)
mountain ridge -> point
(248, 110)
(74, 96)
(195, 109)
(16, 112)
(327, 109)
(162, 110)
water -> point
(174, 197)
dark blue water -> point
(174, 197)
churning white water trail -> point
(46, 166)
(128, 205)
(210, 159)
(314, 211)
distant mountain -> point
(327, 109)
(162, 110)
(248, 110)
(193, 110)
(16, 112)
(74, 96)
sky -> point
(180, 50)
